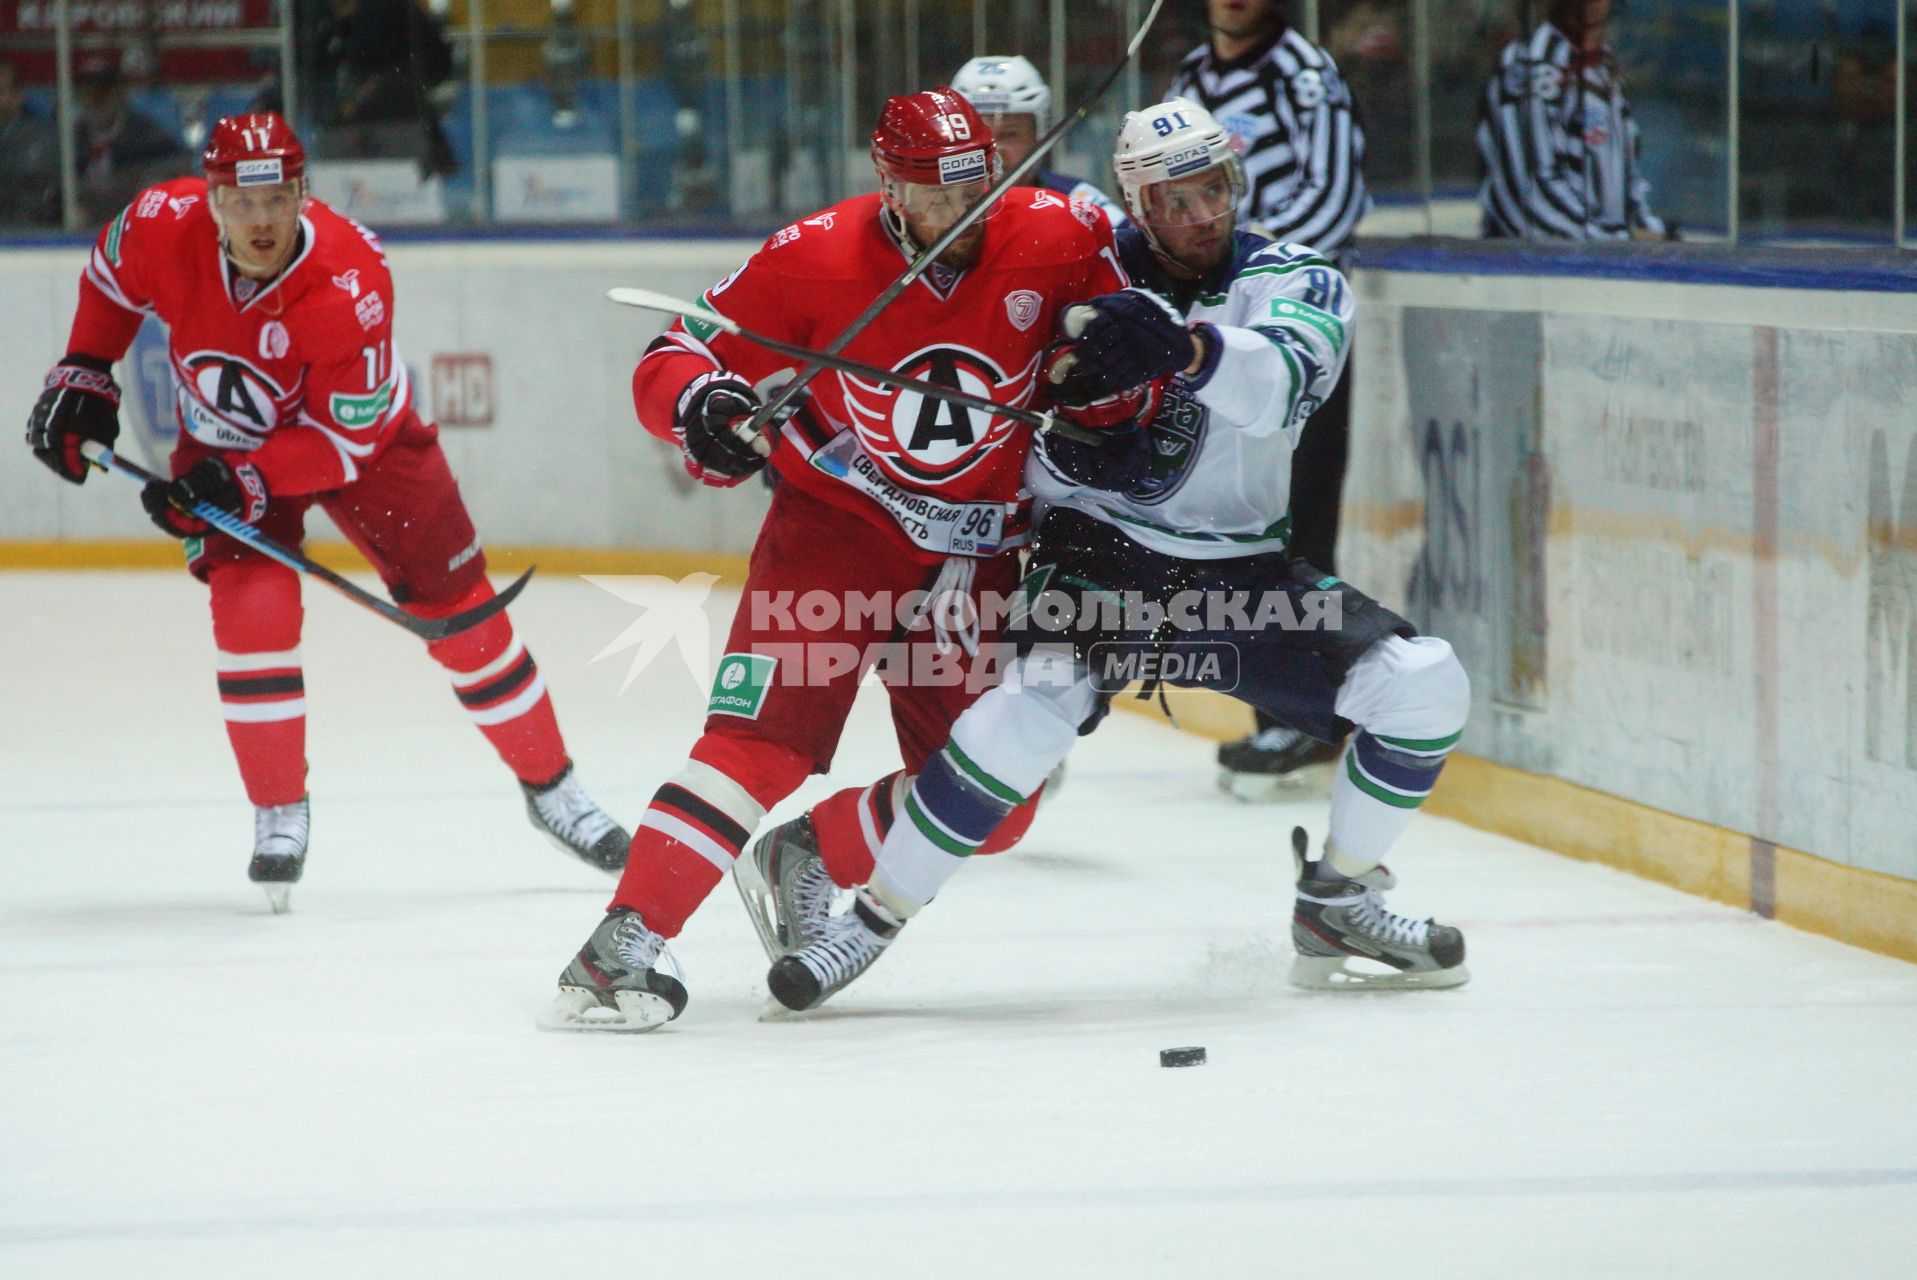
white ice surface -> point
(1635, 1082)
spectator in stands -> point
(1556, 140)
(1370, 45)
(568, 61)
(384, 57)
(118, 151)
(29, 159)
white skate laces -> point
(1369, 915)
(636, 946)
(843, 948)
(813, 894)
(280, 831)
(570, 813)
(1276, 738)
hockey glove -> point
(1119, 462)
(1124, 339)
(239, 489)
(80, 402)
(1072, 402)
(711, 410)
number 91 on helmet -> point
(1181, 181)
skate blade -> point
(1335, 973)
(773, 1011)
(757, 896)
(577, 855)
(1269, 788)
(279, 896)
(575, 1010)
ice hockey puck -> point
(1192, 1055)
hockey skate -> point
(1263, 766)
(848, 945)
(614, 983)
(786, 889)
(569, 818)
(1347, 941)
(279, 850)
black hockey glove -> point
(1124, 339)
(214, 481)
(1119, 461)
(80, 402)
(711, 409)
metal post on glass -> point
(476, 87)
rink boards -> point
(1672, 529)
(1670, 526)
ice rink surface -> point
(1635, 1083)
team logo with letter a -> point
(739, 685)
(928, 440)
(1022, 306)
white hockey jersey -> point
(1220, 484)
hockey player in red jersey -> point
(290, 395)
(881, 493)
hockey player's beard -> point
(963, 253)
(1192, 253)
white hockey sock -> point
(1409, 699)
(999, 753)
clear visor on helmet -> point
(934, 208)
(244, 206)
(1195, 199)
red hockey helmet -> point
(252, 151)
(934, 138)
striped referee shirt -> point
(1559, 147)
(1290, 117)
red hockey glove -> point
(80, 402)
(239, 489)
(710, 412)
(1077, 402)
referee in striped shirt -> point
(1293, 123)
(1556, 139)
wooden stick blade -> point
(647, 300)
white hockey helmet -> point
(1172, 140)
(1006, 86)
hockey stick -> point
(428, 629)
(647, 300)
(776, 409)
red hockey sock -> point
(501, 688)
(851, 825)
(256, 625)
(698, 822)
(1013, 829)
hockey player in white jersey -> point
(1191, 513)
(1015, 100)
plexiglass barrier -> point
(1782, 121)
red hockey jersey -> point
(947, 478)
(298, 372)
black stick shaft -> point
(233, 527)
(772, 410)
